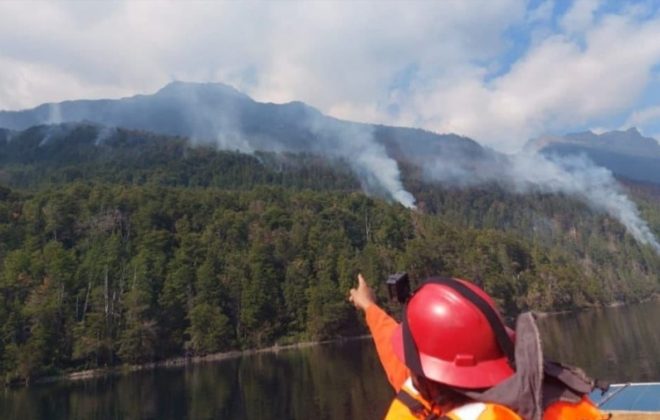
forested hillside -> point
(52, 155)
(137, 247)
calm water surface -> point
(334, 381)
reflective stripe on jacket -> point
(409, 404)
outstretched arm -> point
(381, 326)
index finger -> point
(361, 280)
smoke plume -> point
(369, 160)
(531, 171)
(54, 132)
(104, 134)
(579, 177)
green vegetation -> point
(153, 250)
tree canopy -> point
(129, 260)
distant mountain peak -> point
(631, 133)
(627, 153)
(581, 133)
(178, 87)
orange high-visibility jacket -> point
(409, 404)
(382, 326)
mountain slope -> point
(54, 154)
(218, 114)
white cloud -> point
(542, 13)
(643, 116)
(421, 63)
(22, 81)
(579, 16)
(557, 84)
(325, 53)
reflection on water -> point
(619, 344)
(335, 381)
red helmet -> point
(453, 334)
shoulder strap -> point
(409, 401)
(416, 408)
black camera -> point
(398, 286)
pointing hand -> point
(362, 297)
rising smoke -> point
(522, 173)
(579, 177)
(379, 172)
(104, 134)
(54, 132)
(355, 144)
(349, 142)
(530, 171)
(54, 114)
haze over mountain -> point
(626, 153)
(218, 114)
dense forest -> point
(141, 247)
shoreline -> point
(181, 361)
(614, 304)
(174, 362)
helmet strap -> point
(410, 352)
(497, 326)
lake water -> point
(332, 381)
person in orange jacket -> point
(452, 352)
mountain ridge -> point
(219, 114)
(215, 114)
(48, 112)
(221, 108)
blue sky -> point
(500, 71)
